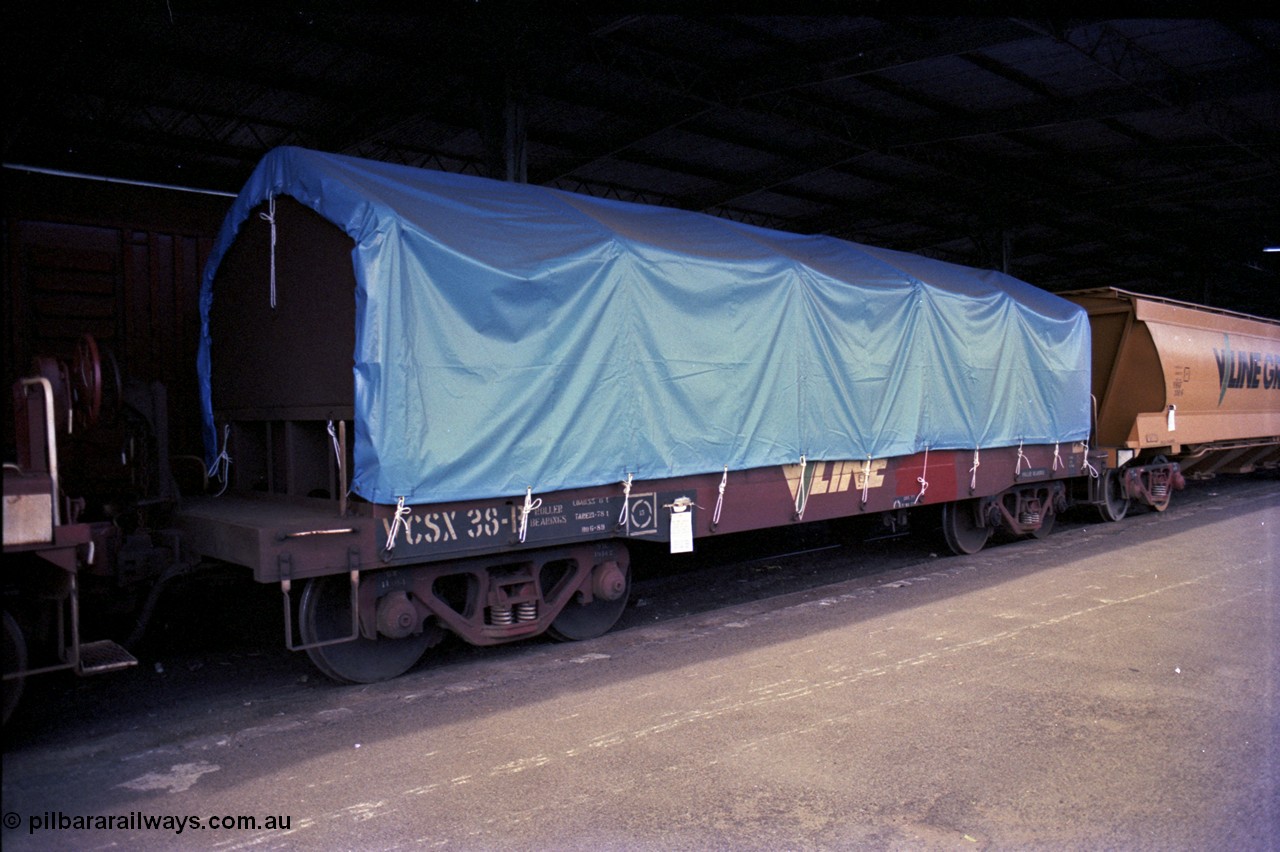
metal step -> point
(103, 656)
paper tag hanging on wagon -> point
(681, 525)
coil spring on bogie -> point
(1160, 490)
(1030, 518)
(520, 613)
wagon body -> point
(1184, 380)
(450, 403)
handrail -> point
(51, 437)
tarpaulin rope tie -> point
(715, 516)
(625, 514)
(337, 452)
(270, 218)
(802, 493)
(923, 478)
(973, 480)
(1093, 471)
(398, 521)
(866, 479)
(1057, 459)
(1017, 470)
(221, 467)
(530, 506)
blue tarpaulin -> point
(511, 336)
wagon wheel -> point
(112, 385)
(325, 613)
(15, 660)
(578, 621)
(86, 381)
(1114, 505)
(961, 528)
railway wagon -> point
(514, 382)
(440, 403)
(1181, 381)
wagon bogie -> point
(1153, 484)
(375, 625)
(505, 597)
(1030, 510)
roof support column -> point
(506, 132)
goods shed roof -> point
(1141, 153)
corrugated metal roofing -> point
(1141, 153)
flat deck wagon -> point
(439, 403)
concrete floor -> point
(1113, 686)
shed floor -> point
(1113, 686)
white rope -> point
(270, 218)
(923, 478)
(1021, 458)
(1057, 459)
(337, 449)
(802, 493)
(625, 514)
(724, 480)
(1093, 471)
(973, 480)
(337, 452)
(530, 506)
(221, 467)
(398, 521)
(866, 479)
